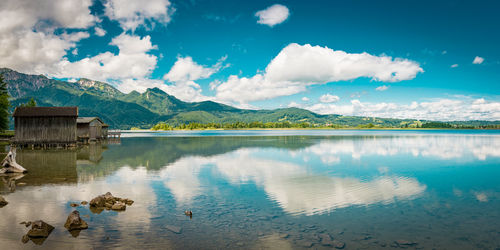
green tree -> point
(4, 105)
(30, 103)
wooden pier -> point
(114, 134)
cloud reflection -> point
(442, 147)
(294, 187)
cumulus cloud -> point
(27, 38)
(99, 31)
(454, 65)
(135, 13)
(382, 88)
(273, 15)
(478, 60)
(327, 98)
(305, 99)
(298, 66)
(439, 109)
(183, 75)
(132, 56)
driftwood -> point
(10, 165)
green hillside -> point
(146, 109)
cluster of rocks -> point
(109, 202)
(40, 230)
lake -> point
(280, 189)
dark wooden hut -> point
(105, 129)
(45, 126)
(89, 128)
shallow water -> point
(266, 190)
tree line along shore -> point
(161, 126)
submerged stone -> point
(338, 244)
(3, 202)
(405, 243)
(26, 223)
(174, 229)
(40, 229)
(74, 222)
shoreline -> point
(278, 129)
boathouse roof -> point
(87, 119)
(45, 112)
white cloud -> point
(294, 105)
(478, 60)
(185, 69)
(327, 98)
(135, 13)
(298, 66)
(454, 65)
(99, 31)
(27, 39)
(273, 15)
(440, 109)
(133, 56)
(382, 88)
(305, 99)
(183, 75)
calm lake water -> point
(266, 190)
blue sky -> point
(404, 59)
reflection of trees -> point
(44, 166)
(156, 152)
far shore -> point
(236, 129)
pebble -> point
(174, 229)
(307, 244)
(284, 236)
(405, 243)
(338, 244)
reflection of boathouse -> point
(42, 126)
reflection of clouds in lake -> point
(181, 177)
(50, 203)
(300, 192)
(444, 147)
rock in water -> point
(108, 201)
(338, 244)
(174, 229)
(405, 243)
(84, 203)
(3, 202)
(74, 222)
(98, 201)
(40, 229)
(120, 206)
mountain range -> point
(143, 110)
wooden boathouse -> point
(90, 129)
(45, 126)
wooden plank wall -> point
(45, 130)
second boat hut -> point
(90, 129)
